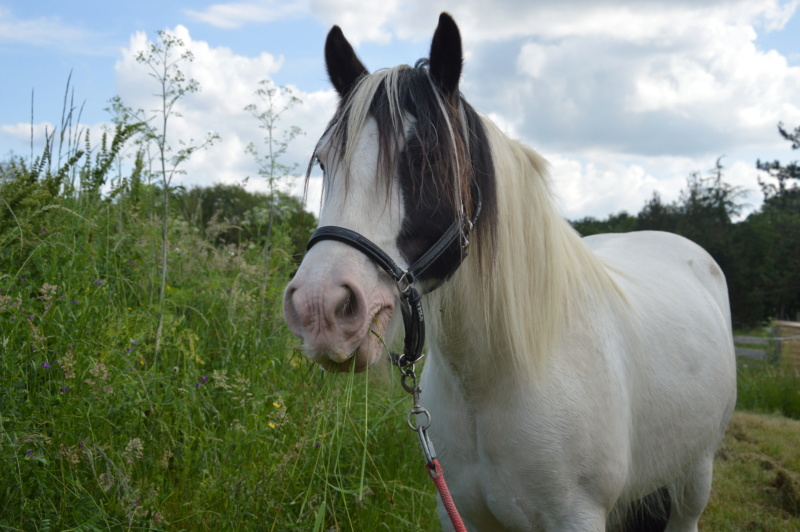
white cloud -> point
(235, 15)
(49, 32)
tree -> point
(781, 211)
(622, 222)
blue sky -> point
(623, 98)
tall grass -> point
(768, 387)
(229, 428)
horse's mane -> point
(541, 273)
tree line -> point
(760, 254)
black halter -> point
(410, 298)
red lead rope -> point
(437, 475)
(420, 426)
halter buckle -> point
(405, 282)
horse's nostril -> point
(348, 307)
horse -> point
(572, 383)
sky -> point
(623, 98)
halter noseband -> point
(410, 298)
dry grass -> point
(756, 476)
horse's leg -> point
(690, 497)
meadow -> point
(123, 411)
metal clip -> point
(428, 451)
(405, 282)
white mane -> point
(540, 275)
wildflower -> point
(106, 481)
(64, 389)
(276, 405)
(134, 449)
(30, 318)
(271, 425)
(128, 350)
(29, 453)
(204, 378)
(98, 282)
(69, 454)
(198, 385)
(74, 301)
(141, 362)
(228, 290)
(99, 370)
(44, 230)
(45, 365)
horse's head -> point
(403, 158)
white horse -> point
(573, 384)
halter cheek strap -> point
(410, 298)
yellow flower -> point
(276, 405)
(272, 425)
(141, 362)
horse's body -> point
(567, 379)
(625, 405)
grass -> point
(768, 388)
(227, 427)
(756, 476)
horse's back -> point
(654, 267)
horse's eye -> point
(321, 166)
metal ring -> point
(417, 410)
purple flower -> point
(198, 385)
(44, 230)
(74, 301)
(204, 378)
(98, 282)
(128, 350)
(30, 318)
(64, 389)
(45, 365)
(228, 290)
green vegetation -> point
(768, 388)
(228, 428)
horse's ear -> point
(446, 57)
(344, 67)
